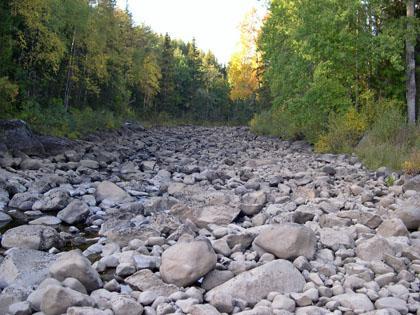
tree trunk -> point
(411, 66)
(69, 74)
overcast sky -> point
(213, 23)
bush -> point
(261, 123)
(8, 93)
(412, 165)
(344, 132)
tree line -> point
(87, 58)
(341, 74)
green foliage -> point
(345, 132)
(90, 65)
(390, 142)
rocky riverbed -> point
(203, 221)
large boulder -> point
(16, 135)
(75, 212)
(25, 267)
(287, 241)
(254, 285)
(186, 262)
(110, 192)
(54, 200)
(38, 237)
(409, 212)
(73, 264)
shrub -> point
(262, 123)
(344, 132)
(412, 165)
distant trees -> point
(79, 54)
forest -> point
(339, 74)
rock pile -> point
(203, 221)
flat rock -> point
(109, 191)
(75, 212)
(25, 267)
(355, 301)
(255, 285)
(146, 280)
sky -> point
(213, 23)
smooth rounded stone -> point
(186, 304)
(35, 298)
(112, 286)
(203, 309)
(4, 218)
(109, 191)
(125, 269)
(24, 201)
(54, 200)
(287, 241)
(283, 303)
(252, 203)
(147, 297)
(122, 305)
(385, 279)
(75, 212)
(215, 278)
(334, 238)
(38, 237)
(374, 248)
(56, 300)
(305, 298)
(311, 310)
(74, 284)
(354, 301)
(409, 212)
(46, 220)
(392, 303)
(85, 310)
(25, 267)
(20, 308)
(398, 290)
(392, 227)
(253, 285)
(186, 262)
(73, 264)
(31, 164)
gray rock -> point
(254, 285)
(75, 212)
(57, 300)
(146, 280)
(374, 248)
(392, 227)
(17, 136)
(409, 212)
(37, 237)
(287, 241)
(392, 303)
(53, 200)
(25, 267)
(20, 308)
(24, 201)
(111, 192)
(122, 305)
(252, 203)
(186, 262)
(73, 264)
(203, 309)
(86, 310)
(204, 216)
(334, 238)
(355, 301)
(413, 184)
(46, 220)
